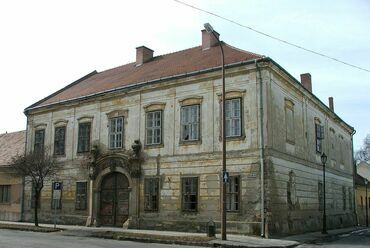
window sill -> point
(153, 146)
(190, 142)
(5, 204)
(290, 142)
(234, 138)
(81, 154)
(59, 155)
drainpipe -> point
(260, 110)
(23, 177)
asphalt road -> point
(22, 239)
(357, 239)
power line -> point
(273, 37)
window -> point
(84, 137)
(81, 195)
(344, 198)
(39, 139)
(319, 131)
(57, 202)
(59, 140)
(350, 198)
(233, 118)
(190, 123)
(291, 191)
(321, 196)
(289, 120)
(4, 193)
(154, 128)
(362, 203)
(232, 194)
(151, 190)
(116, 133)
(189, 193)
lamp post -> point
(323, 161)
(210, 29)
(367, 207)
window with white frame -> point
(116, 133)
(232, 193)
(154, 128)
(190, 123)
(233, 117)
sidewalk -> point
(182, 238)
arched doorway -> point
(114, 199)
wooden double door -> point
(114, 200)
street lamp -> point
(210, 29)
(367, 207)
(323, 161)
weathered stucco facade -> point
(11, 144)
(285, 195)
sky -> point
(47, 44)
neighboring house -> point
(363, 169)
(363, 172)
(141, 146)
(11, 144)
(361, 199)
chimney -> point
(143, 54)
(331, 103)
(306, 81)
(208, 39)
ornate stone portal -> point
(114, 187)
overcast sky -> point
(46, 45)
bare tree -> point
(363, 154)
(36, 167)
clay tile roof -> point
(177, 63)
(11, 144)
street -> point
(21, 239)
(356, 239)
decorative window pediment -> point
(60, 123)
(84, 119)
(230, 94)
(192, 100)
(155, 106)
(118, 113)
(40, 126)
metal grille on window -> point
(84, 137)
(189, 193)
(233, 117)
(116, 133)
(151, 194)
(56, 204)
(190, 123)
(4, 193)
(154, 128)
(59, 140)
(232, 194)
(81, 195)
(39, 139)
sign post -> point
(57, 192)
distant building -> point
(141, 146)
(11, 144)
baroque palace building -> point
(140, 146)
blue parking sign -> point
(57, 186)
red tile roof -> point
(177, 63)
(11, 144)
